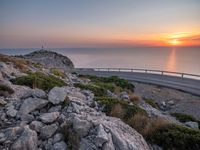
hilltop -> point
(50, 59)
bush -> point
(152, 103)
(5, 90)
(134, 98)
(176, 137)
(110, 105)
(125, 84)
(39, 80)
(57, 72)
(185, 118)
(98, 91)
(117, 111)
(145, 125)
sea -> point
(175, 59)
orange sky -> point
(98, 23)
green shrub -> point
(39, 80)
(5, 90)
(176, 137)
(125, 84)
(57, 72)
(185, 117)
(37, 65)
(98, 91)
(152, 103)
(129, 110)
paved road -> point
(184, 84)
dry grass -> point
(117, 90)
(146, 126)
(18, 62)
(134, 98)
(117, 111)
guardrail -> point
(150, 71)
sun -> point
(174, 42)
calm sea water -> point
(171, 59)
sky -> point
(99, 23)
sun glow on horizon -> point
(175, 42)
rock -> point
(60, 146)
(49, 117)
(11, 112)
(55, 109)
(124, 96)
(193, 125)
(50, 59)
(58, 137)
(57, 95)
(2, 102)
(48, 130)
(171, 102)
(2, 138)
(27, 118)
(101, 137)
(81, 126)
(111, 94)
(36, 93)
(36, 125)
(31, 104)
(27, 141)
(109, 144)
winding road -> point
(184, 84)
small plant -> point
(117, 111)
(39, 80)
(5, 90)
(37, 65)
(57, 72)
(152, 103)
(134, 98)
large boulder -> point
(31, 104)
(51, 59)
(57, 95)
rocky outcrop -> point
(40, 124)
(50, 59)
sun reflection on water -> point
(171, 62)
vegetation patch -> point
(37, 65)
(39, 80)
(98, 91)
(57, 72)
(126, 110)
(5, 90)
(185, 118)
(18, 62)
(176, 137)
(124, 84)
